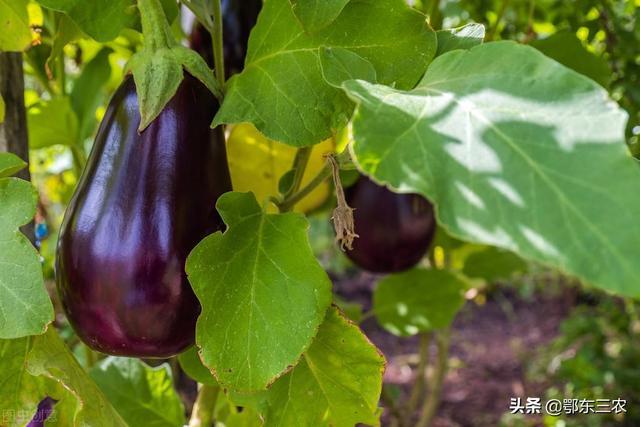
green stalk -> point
(156, 30)
(443, 340)
(299, 166)
(218, 51)
(203, 409)
(420, 383)
(288, 203)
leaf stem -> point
(443, 340)
(218, 47)
(204, 408)
(288, 203)
(299, 166)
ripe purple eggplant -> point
(143, 202)
(395, 229)
(239, 17)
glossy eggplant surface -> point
(395, 229)
(143, 202)
(239, 17)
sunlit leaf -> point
(516, 151)
(282, 90)
(263, 293)
(25, 307)
(464, 37)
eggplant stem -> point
(443, 341)
(217, 37)
(155, 27)
(203, 413)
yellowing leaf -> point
(14, 25)
(257, 163)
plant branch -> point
(288, 203)
(217, 37)
(430, 406)
(204, 407)
(419, 385)
(494, 28)
(299, 166)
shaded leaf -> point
(516, 151)
(417, 301)
(282, 91)
(86, 95)
(101, 19)
(492, 264)
(51, 358)
(142, 395)
(66, 32)
(337, 383)
(263, 293)
(567, 49)
(52, 122)
(339, 65)
(317, 14)
(10, 164)
(192, 366)
(19, 391)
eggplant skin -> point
(239, 17)
(142, 204)
(395, 229)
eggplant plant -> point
(159, 295)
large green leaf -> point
(317, 14)
(337, 383)
(25, 307)
(52, 122)
(14, 26)
(263, 293)
(141, 394)
(418, 300)
(104, 19)
(566, 48)
(51, 359)
(281, 89)
(2, 108)
(101, 19)
(516, 151)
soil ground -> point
(491, 346)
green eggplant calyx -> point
(158, 67)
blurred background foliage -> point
(69, 79)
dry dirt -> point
(491, 346)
